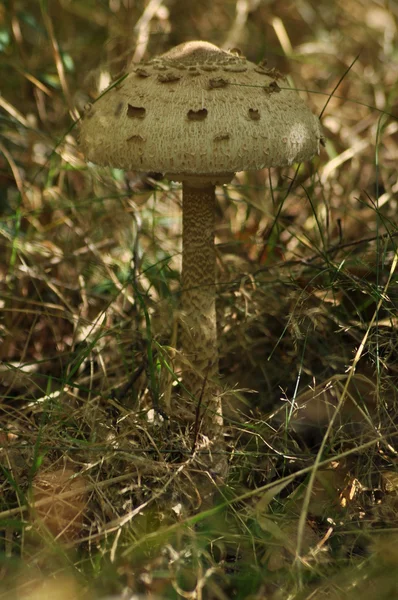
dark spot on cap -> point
(217, 82)
(221, 137)
(136, 138)
(208, 68)
(261, 70)
(168, 77)
(239, 68)
(142, 72)
(274, 87)
(197, 115)
(274, 73)
(254, 114)
(135, 112)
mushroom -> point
(199, 114)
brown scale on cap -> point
(254, 114)
(169, 77)
(133, 112)
(142, 72)
(218, 82)
(197, 115)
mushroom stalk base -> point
(199, 327)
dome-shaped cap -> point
(199, 110)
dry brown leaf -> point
(316, 406)
(63, 512)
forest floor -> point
(100, 493)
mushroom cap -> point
(198, 109)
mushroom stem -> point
(199, 335)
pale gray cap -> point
(198, 109)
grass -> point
(100, 492)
